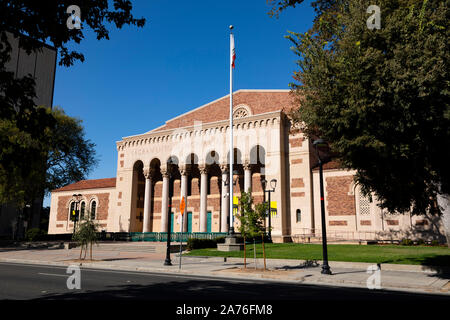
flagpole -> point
(231, 230)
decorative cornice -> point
(254, 121)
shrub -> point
(435, 243)
(406, 242)
(193, 243)
(420, 242)
(35, 234)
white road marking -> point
(53, 274)
(142, 273)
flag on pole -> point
(233, 52)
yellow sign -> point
(273, 208)
(182, 206)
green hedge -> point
(193, 243)
(35, 234)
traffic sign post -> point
(182, 207)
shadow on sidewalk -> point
(305, 265)
(440, 264)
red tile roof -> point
(89, 184)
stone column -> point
(183, 193)
(165, 201)
(247, 176)
(225, 200)
(147, 200)
(203, 197)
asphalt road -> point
(30, 282)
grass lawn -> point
(418, 255)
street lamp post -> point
(167, 261)
(325, 267)
(273, 184)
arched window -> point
(298, 214)
(93, 209)
(82, 210)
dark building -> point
(41, 65)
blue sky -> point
(142, 77)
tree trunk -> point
(245, 255)
(264, 251)
(85, 251)
(443, 201)
(91, 251)
(81, 251)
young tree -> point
(251, 221)
(380, 96)
(86, 234)
(261, 210)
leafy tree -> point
(28, 133)
(380, 97)
(34, 163)
(70, 155)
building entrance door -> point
(208, 221)
(189, 222)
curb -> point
(337, 264)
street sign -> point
(182, 206)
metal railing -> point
(174, 236)
(310, 235)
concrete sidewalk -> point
(347, 274)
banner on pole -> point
(182, 206)
(273, 208)
(235, 205)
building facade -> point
(41, 66)
(188, 157)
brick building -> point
(187, 157)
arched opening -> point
(137, 198)
(93, 209)
(238, 171)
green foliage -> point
(43, 146)
(380, 97)
(251, 221)
(47, 22)
(193, 243)
(35, 234)
(406, 242)
(28, 134)
(435, 243)
(86, 232)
